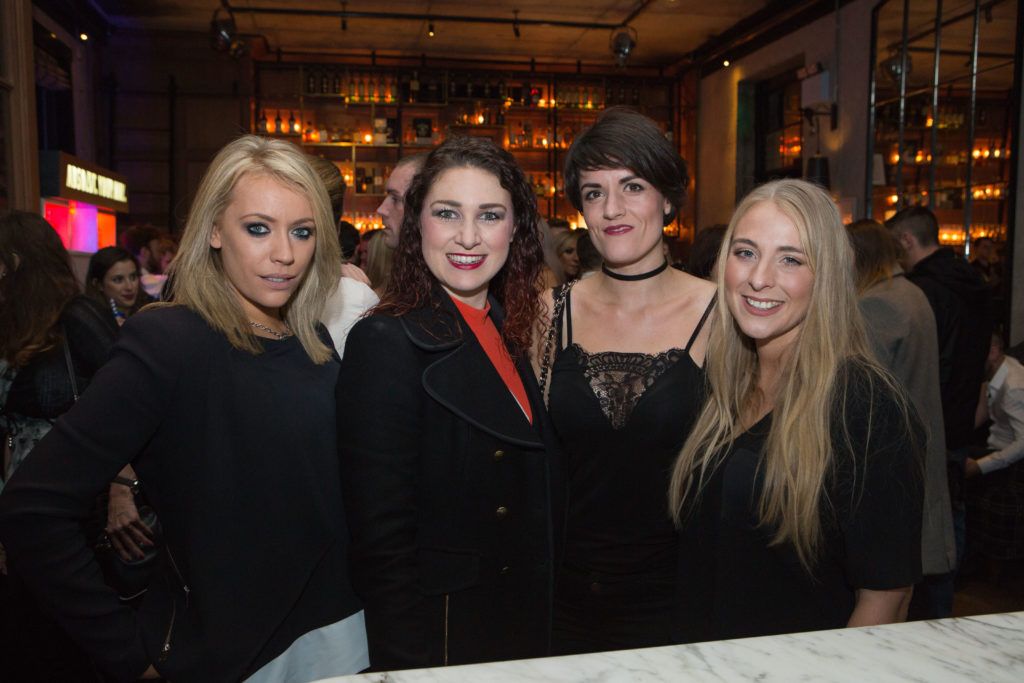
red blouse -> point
(479, 321)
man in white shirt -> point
(1005, 407)
(353, 296)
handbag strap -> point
(70, 364)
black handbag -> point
(129, 578)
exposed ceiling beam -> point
(452, 18)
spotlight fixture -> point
(430, 29)
(623, 42)
(224, 34)
(83, 37)
(515, 24)
(893, 67)
(344, 16)
(725, 62)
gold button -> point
(501, 512)
(498, 455)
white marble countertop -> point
(987, 649)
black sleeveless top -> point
(622, 418)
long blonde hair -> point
(198, 275)
(798, 450)
(379, 257)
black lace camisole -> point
(621, 419)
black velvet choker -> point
(633, 278)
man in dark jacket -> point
(962, 304)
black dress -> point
(739, 585)
(621, 419)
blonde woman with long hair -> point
(799, 488)
(224, 403)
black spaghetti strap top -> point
(622, 418)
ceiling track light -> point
(515, 24)
(622, 43)
(430, 28)
(344, 16)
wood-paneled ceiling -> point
(666, 30)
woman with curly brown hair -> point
(451, 483)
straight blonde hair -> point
(798, 451)
(198, 277)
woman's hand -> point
(128, 533)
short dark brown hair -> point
(624, 138)
(918, 221)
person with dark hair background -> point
(624, 350)
(704, 251)
(348, 237)
(52, 341)
(112, 281)
(148, 244)
(962, 305)
(452, 482)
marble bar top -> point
(987, 649)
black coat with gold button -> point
(455, 501)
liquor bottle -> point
(353, 94)
(294, 126)
(393, 90)
(433, 93)
(325, 83)
(279, 124)
(453, 90)
(414, 87)
(364, 88)
(261, 124)
(337, 83)
(636, 96)
(524, 95)
(311, 81)
(502, 93)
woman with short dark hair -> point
(112, 280)
(622, 351)
(452, 484)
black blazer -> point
(455, 501)
(237, 454)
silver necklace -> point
(270, 330)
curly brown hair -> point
(412, 283)
(37, 285)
